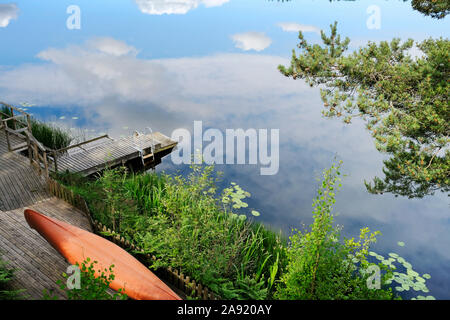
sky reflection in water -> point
(149, 63)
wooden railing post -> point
(30, 156)
(45, 164)
(36, 157)
(7, 135)
(29, 123)
(13, 119)
(55, 161)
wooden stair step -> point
(20, 147)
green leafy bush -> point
(91, 287)
(320, 265)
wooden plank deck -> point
(109, 152)
(20, 185)
(38, 265)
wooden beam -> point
(81, 143)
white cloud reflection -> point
(8, 12)
(296, 27)
(246, 41)
(160, 7)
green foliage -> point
(437, 9)
(112, 182)
(92, 286)
(5, 113)
(404, 102)
(6, 275)
(50, 136)
(320, 266)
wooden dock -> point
(20, 184)
(138, 151)
(38, 265)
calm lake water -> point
(165, 64)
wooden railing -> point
(173, 276)
(18, 123)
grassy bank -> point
(188, 224)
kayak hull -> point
(76, 244)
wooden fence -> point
(20, 123)
(174, 276)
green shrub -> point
(320, 265)
(91, 287)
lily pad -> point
(407, 265)
(255, 213)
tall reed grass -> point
(51, 136)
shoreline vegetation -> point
(187, 224)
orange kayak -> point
(76, 245)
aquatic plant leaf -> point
(420, 279)
(407, 265)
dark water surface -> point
(166, 64)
